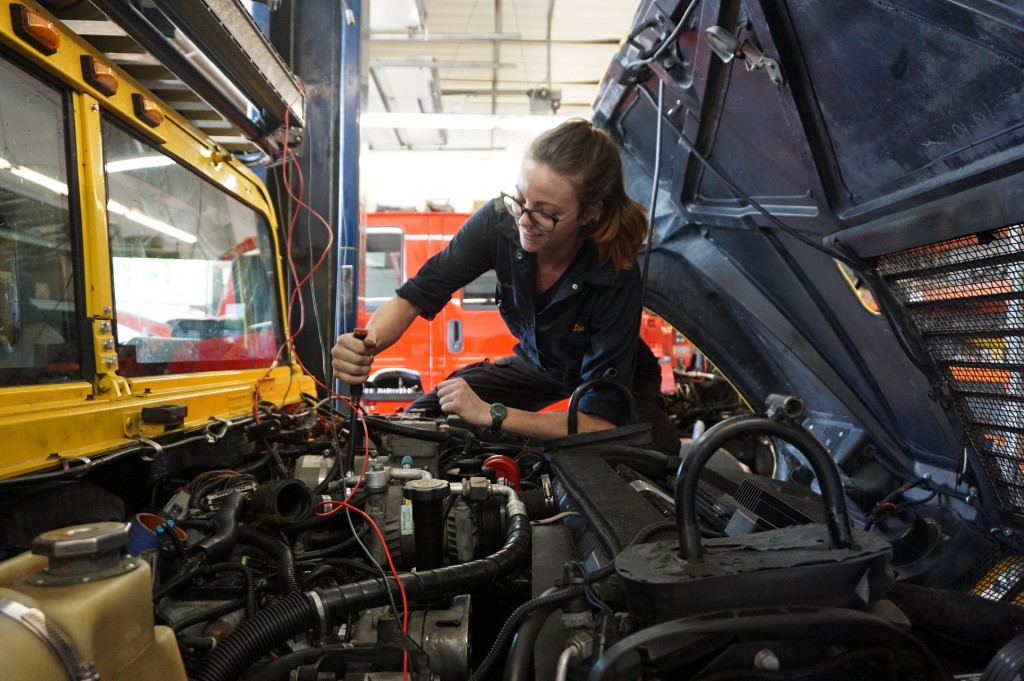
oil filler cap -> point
(83, 553)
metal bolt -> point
(108, 310)
(104, 327)
(110, 361)
(108, 344)
(766, 660)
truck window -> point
(39, 334)
(192, 267)
(481, 293)
(383, 264)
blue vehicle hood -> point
(843, 152)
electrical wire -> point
(655, 181)
(669, 39)
(337, 506)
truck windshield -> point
(193, 267)
(39, 328)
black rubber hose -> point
(299, 612)
(219, 545)
(279, 621)
(278, 551)
(281, 668)
(329, 537)
(440, 581)
(210, 614)
(651, 463)
(518, 665)
(196, 524)
(320, 521)
(545, 601)
(1007, 663)
(580, 391)
(348, 563)
(188, 570)
(825, 470)
(539, 503)
(410, 431)
(251, 603)
(320, 572)
(197, 643)
(254, 466)
(176, 542)
(340, 547)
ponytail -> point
(589, 156)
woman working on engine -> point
(563, 243)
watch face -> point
(498, 414)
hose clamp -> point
(62, 648)
(157, 447)
(320, 634)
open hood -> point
(819, 161)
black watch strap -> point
(498, 414)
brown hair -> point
(590, 158)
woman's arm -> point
(458, 398)
(352, 358)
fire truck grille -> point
(966, 297)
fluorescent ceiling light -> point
(443, 121)
(55, 186)
(152, 223)
(397, 15)
(138, 163)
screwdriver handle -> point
(356, 389)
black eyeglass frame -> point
(505, 198)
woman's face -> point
(540, 188)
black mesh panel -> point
(966, 296)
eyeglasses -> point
(542, 220)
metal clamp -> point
(35, 621)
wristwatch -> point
(498, 414)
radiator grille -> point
(966, 297)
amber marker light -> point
(34, 29)
(147, 110)
(100, 76)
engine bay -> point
(311, 544)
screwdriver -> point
(355, 391)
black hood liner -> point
(895, 125)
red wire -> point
(289, 343)
(380, 537)
(288, 157)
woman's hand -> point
(456, 397)
(352, 358)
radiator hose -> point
(318, 609)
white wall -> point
(408, 179)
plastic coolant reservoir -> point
(77, 603)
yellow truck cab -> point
(141, 313)
(140, 294)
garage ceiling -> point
(474, 75)
(479, 63)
